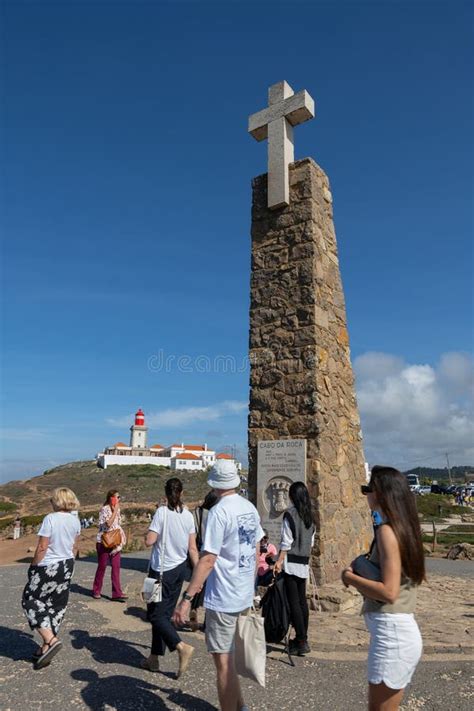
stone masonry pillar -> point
(301, 381)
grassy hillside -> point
(141, 484)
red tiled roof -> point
(223, 455)
(186, 455)
(156, 446)
(196, 447)
(120, 444)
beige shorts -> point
(220, 631)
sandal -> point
(45, 657)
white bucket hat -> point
(223, 475)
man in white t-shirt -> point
(228, 563)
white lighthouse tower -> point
(138, 431)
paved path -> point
(98, 668)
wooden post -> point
(434, 541)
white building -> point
(189, 457)
(187, 461)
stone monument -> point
(301, 381)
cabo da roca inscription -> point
(279, 464)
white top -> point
(232, 532)
(180, 527)
(301, 570)
(62, 530)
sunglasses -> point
(366, 489)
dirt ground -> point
(21, 551)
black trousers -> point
(164, 633)
(295, 588)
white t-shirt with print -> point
(232, 532)
(62, 530)
(180, 525)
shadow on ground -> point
(16, 645)
(108, 650)
(126, 693)
(126, 563)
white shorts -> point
(395, 648)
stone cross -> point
(286, 109)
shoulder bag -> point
(152, 589)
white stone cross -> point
(286, 109)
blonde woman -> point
(46, 594)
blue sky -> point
(126, 214)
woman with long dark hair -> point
(388, 579)
(297, 538)
(173, 535)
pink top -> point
(262, 565)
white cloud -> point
(413, 413)
(180, 416)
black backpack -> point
(276, 611)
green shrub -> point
(449, 540)
(5, 522)
(7, 506)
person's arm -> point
(285, 545)
(41, 548)
(192, 549)
(115, 513)
(153, 533)
(75, 548)
(257, 558)
(388, 589)
(200, 574)
(150, 538)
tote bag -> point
(250, 647)
(152, 590)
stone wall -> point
(301, 381)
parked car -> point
(438, 489)
(425, 490)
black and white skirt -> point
(46, 594)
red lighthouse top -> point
(140, 418)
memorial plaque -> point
(279, 463)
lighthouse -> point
(138, 431)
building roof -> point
(223, 455)
(120, 444)
(156, 446)
(192, 447)
(186, 455)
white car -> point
(425, 490)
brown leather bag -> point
(112, 539)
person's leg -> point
(296, 611)
(382, 698)
(102, 560)
(115, 561)
(161, 615)
(228, 684)
(301, 585)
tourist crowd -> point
(224, 555)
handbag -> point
(366, 568)
(112, 539)
(152, 590)
(250, 647)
